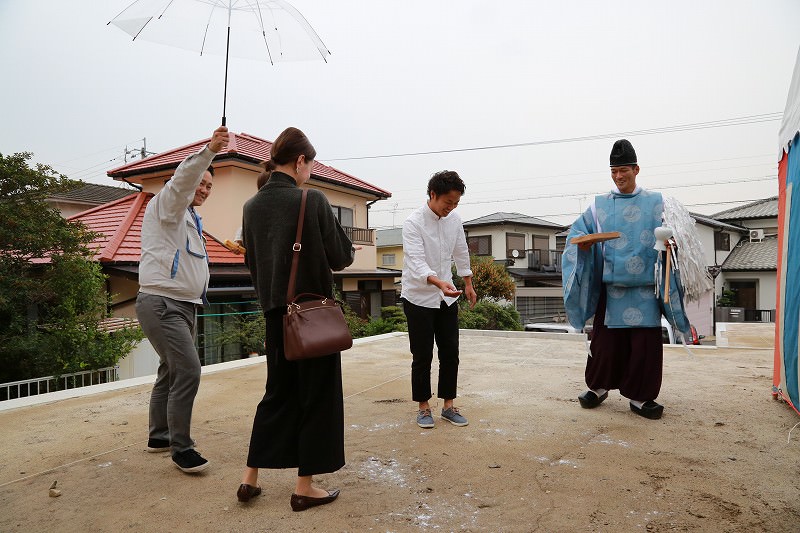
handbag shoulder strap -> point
(296, 249)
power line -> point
(528, 179)
(113, 148)
(92, 169)
(581, 194)
(576, 213)
(736, 121)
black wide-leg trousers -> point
(628, 359)
(300, 421)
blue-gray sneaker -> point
(454, 417)
(424, 418)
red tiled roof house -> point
(118, 225)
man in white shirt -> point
(433, 238)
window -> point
(387, 259)
(722, 241)
(481, 245)
(515, 241)
(541, 244)
(344, 215)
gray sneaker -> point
(454, 417)
(425, 419)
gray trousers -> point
(169, 325)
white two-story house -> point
(531, 251)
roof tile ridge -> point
(121, 232)
(85, 184)
(254, 137)
(232, 147)
(101, 207)
(316, 162)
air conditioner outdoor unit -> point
(756, 235)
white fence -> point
(33, 387)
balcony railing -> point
(544, 260)
(360, 235)
(759, 315)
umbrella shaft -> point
(225, 90)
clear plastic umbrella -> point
(271, 30)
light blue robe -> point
(626, 266)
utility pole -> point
(142, 152)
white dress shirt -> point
(430, 246)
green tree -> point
(52, 293)
(249, 331)
(355, 323)
(727, 298)
(488, 314)
(392, 319)
(489, 279)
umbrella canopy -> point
(270, 30)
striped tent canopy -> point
(786, 376)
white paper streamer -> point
(691, 260)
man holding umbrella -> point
(173, 279)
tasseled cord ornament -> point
(663, 235)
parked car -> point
(551, 327)
(695, 338)
(667, 333)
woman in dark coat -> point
(300, 421)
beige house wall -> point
(68, 209)
(232, 186)
(351, 284)
(364, 259)
(552, 292)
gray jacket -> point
(174, 262)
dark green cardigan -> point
(269, 224)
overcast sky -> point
(452, 77)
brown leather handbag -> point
(314, 325)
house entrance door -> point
(745, 293)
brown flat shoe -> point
(301, 503)
(246, 492)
